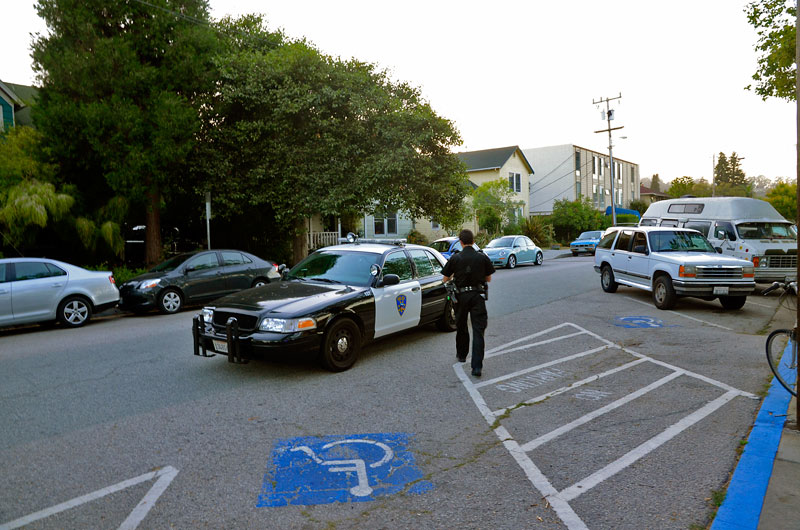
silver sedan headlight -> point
(283, 325)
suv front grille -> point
(712, 273)
(246, 322)
(782, 262)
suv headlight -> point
(208, 315)
(283, 325)
(687, 271)
(149, 284)
(748, 272)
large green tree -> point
(783, 196)
(119, 94)
(655, 183)
(728, 170)
(570, 218)
(494, 205)
(305, 134)
(681, 186)
(775, 24)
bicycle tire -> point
(774, 359)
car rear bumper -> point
(241, 346)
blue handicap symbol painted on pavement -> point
(641, 322)
(349, 468)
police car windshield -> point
(590, 235)
(679, 242)
(331, 266)
(765, 231)
(501, 242)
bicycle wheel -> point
(782, 358)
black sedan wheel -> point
(170, 301)
(74, 311)
(341, 346)
(448, 320)
(259, 282)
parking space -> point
(558, 395)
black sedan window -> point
(351, 268)
(172, 263)
(203, 261)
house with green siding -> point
(15, 104)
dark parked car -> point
(447, 245)
(333, 301)
(195, 277)
(40, 290)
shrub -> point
(417, 238)
(538, 229)
(122, 274)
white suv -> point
(671, 262)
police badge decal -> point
(401, 304)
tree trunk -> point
(300, 242)
(152, 234)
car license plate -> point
(222, 346)
(720, 290)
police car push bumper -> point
(240, 347)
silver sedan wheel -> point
(76, 312)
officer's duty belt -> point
(470, 288)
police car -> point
(334, 301)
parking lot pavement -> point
(565, 387)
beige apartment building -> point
(569, 171)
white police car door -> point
(397, 307)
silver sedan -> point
(40, 290)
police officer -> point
(471, 270)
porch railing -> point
(322, 239)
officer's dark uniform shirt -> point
(469, 268)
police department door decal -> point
(401, 304)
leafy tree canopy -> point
(655, 183)
(783, 197)
(775, 24)
(494, 204)
(570, 218)
(729, 170)
(307, 134)
(681, 186)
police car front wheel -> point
(341, 345)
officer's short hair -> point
(466, 237)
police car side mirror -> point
(719, 250)
(389, 279)
(283, 270)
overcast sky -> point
(526, 72)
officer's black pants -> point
(473, 304)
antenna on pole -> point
(608, 115)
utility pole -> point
(797, 147)
(714, 175)
(609, 115)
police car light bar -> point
(352, 238)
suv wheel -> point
(732, 302)
(664, 296)
(607, 279)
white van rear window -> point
(685, 208)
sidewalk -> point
(781, 507)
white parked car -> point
(670, 263)
(39, 290)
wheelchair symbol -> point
(358, 465)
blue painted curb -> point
(741, 509)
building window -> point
(434, 224)
(578, 190)
(515, 182)
(386, 224)
(578, 161)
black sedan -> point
(333, 301)
(195, 277)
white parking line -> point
(533, 444)
(681, 314)
(618, 465)
(164, 475)
(497, 351)
(560, 501)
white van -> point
(741, 227)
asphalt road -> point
(626, 416)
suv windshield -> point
(595, 234)
(679, 242)
(351, 268)
(172, 263)
(765, 231)
(501, 242)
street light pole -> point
(610, 116)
